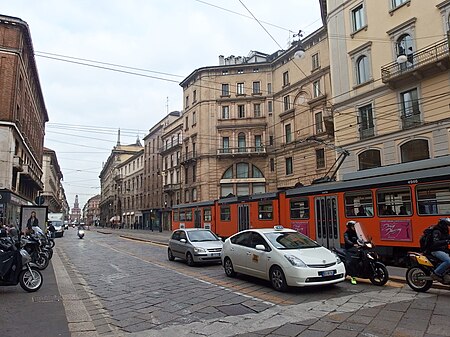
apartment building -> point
(53, 192)
(22, 120)
(153, 178)
(390, 78)
(91, 211)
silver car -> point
(194, 245)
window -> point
(256, 172)
(362, 70)
(194, 173)
(433, 199)
(242, 170)
(270, 106)
(225, 90)
(257, 110)
(259, 188)
(194, 118)
(410, 108)
(315, 61)
(393, 201)
(270, 140)
(415, 150)
(240, 71)
(272, 165)
(286, 103)
(224, 72)
(226, 190)
(369, 159)
(207, 214)
(194, 194)
(225, 213)
(186, 196)
(289, 168)
(256, 70)
(176, 216)
(269, 88)
(241, 142)
(187, 101)
(319, 122)
(225, 144)
(186, 125)
(241, 111)
(299, 209)
(258, 143)
(265, 211)
(320, 158)
(397, 3)
(194, 96)
(358, 18)
(242, 189)
(288, 133)
(285, 78)
(225, 112)
(366, 126)
(256, 87)
(358, 204)
(316, 88)
(240, 88)
(405, 47)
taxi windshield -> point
(198, 236)
(290, 240)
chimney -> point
(221, 60)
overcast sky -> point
(162, 40)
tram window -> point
(299, 209)
(358, 204)
(433, 199)
(176, 216)
(394, 202)
(265, 211)
(225, 213)
(207, 214)
(182, 216)
(189, 215)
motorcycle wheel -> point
(31, 281)
(51, 243)
(49, 253)
(416, 284)
(42, 261)
(380, 275)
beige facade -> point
(91, 211)
(53, 193)
(390, 79)
(110, 180)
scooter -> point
(16, 267)
(418, 274)
(80, 233)
(369, 265)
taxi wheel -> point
(277, 279)
(190, 260)
(228, 267)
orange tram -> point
(393, 204)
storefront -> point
(10, 204)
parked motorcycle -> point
(80, 233)
(418, 274)
(34, 247)
(369, 265)
(16, 267)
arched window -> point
(241, 142)
(362, 69)
(369, 159)
(242, 170)
(415, 150)
(405, 47)
(228, 173)
(257, 172)
(245, 172)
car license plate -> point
(215, 254)
(327, 273)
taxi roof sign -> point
(278, 227)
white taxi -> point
(285, 257)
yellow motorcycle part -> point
(423, 260)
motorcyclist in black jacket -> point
(352, 255)
(439, 249)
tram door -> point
(327, 221)
(243, 217)
(198, 218)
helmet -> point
(350, 223)
(444, 222)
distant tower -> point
(75, 216)
(118, 137)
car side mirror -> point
(260, 247)
(183, 240)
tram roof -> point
(422, 171)
(194, 204)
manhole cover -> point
(235, 309)
(43, 299)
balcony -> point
(410, 118)
(249, 122)
(171, 187)
(242, 151)
(188, 157)
(117, 177)
(18, 163)
(169, 146)
(423, 63)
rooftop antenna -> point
(167, 104)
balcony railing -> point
(410, 119)
(236, 151)
(171, 187)
(366, 133)
(188, 156)
(170, 145)
(421, 60)
(18, 163)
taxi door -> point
(257, 260)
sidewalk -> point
(396, 274)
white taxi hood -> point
(317, 255)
